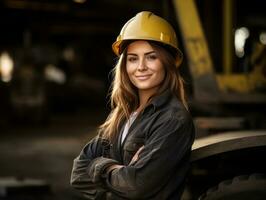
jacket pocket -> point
(131, 147)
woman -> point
(142, 149)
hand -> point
(133, 160)
(112, 167)
(136, 156)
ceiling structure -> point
(67, 18)
(48, 18)
(96, 23)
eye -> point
(152, 57)
(131, 58)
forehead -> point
(139, 46)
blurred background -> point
(55, 63)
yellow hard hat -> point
(147, 26)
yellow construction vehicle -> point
(208, 85)
(227, 155)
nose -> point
(142, 65)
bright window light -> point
(263, 38)
(6, 67)
(53, 73)
(241, 35)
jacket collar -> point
(159, 100)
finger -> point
(136, 155)
(139, 150)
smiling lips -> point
(143, 77)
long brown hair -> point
(124, 95)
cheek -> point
(160, 71)
(161, 75)
(130, 68)
(130, 71)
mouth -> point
(143, 77)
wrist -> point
(112, 167)
(97, 168)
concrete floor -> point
(47, 152)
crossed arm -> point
(96, 176)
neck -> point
(144, 96)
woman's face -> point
(144, 68)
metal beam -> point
(197, 51)
(227, 36)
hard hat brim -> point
(118, 50)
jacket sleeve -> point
(86, 171)
(163, 152)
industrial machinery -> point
(229, 151)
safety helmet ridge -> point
(147, 26)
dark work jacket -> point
(166, 130)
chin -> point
(144, 87)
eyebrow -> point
(133, 54)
